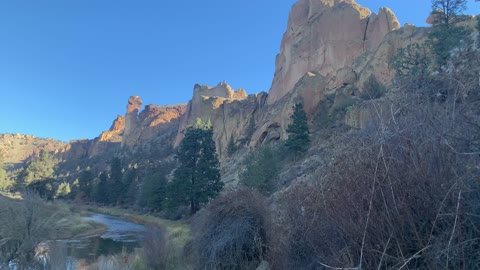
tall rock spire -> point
(325, 36)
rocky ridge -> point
(329, 50)
(18, 148)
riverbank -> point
(68, 223)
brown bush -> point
(155, 248)
(231, 233)
(400, 195)
(24, 224)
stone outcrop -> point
(149, 123)
(135, 129)
(131, 118)
(233, 114)
(326, 36)
(114, 134)
(329, 50)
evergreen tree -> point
(446, 33)
(154, 188)
(38, 169)
(101, 191)
(6, 184)
(116, 183)
(63, 190)
(262, 168)
(85, 182)
(130, 184)
(38, 176)
(298, 134)
(197, 179)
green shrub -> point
(262, 168)
(373, 89)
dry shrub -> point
(231, 233)
(115, 262)
(24, 224)
(53, 255)
(155, 248)
(401, 195)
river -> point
(120, 235)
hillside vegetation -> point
(382, 175)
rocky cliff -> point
(233, 114)
(327, 36)
(329, 50)
(135, 129)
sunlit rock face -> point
(114, 134)
(326, 36)
(328, 52)
(132, 121)
(150, 123)
(231, 113)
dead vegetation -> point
(403, 193)
(231, 233)
(24, 224)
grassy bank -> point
(68, 223)
(28, 220)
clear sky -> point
(67, 67)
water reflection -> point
(120, 236)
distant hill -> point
(16, 148)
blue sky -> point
(67, 67)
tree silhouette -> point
(298, 134)
(197, 179)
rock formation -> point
(326, 36)
(232, 113)
(114, 134)
(131, 118)
(134, 130)
(329, 50)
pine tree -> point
(38, 176)
(130, 185)
(197, 179)
(38, 169)
(298, 138)
(447, 33)
(6, 184)
(101, 191)
(154, 187)
(116, 183)
(85, 182)
(262, 168)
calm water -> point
(119, 236)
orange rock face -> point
(324, 36)
(114, 134)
